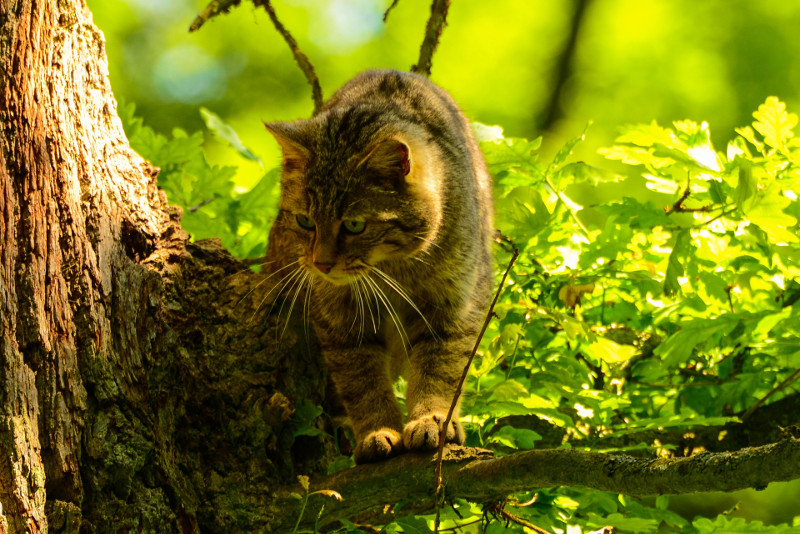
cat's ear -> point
(390, 158)
(295, 155)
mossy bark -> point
(145, 385)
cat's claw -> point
(423, 433)
(379, 445)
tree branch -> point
(301, 59)
(389, 9)
(433, 30)
(472, 474)
(217, 7)
(564, 66)
(213, 9)
(437, 481)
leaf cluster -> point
(212, 205)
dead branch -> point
(389, 9)
(433, 30)
(216, 7)
(437, 480)
(468, 473)
(301, 59)
(213, 9)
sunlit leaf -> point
(225, 133)
(774, 122)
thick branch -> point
(469, 474)
(433, 30)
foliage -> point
(212, 205)
(678, 316)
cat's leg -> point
(436, 368)
(362, 379)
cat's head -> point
(357, 190)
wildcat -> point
(385, 217)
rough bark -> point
(143, 387)
(77, 204)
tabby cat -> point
(386, 219)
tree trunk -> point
(142, 385)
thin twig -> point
(388, 9)
(437, 480)
(213, 9)
(774, 390)
(299, 56)
(500, 509)
(433, 30)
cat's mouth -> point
(339, 275)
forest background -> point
(507, 63)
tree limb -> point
(213, 9)
(564, 66)
(433, 30)
(389, 9)
(472, 474)
(217, 7)
(301, 59)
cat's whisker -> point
(400, 290)
(356, 292)
(369, 307)
(292, 281)
(265, 280)
(300, 283)
(307, 310)
(277, 285)
(431, 242)
(391, 311)
(362, 301)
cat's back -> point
(407, 96)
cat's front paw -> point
(379, 445)
(423, 433)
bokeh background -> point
(533, 67)
(507, 62)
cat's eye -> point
(305, 222)
(354, 227)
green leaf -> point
(678, 347)
(766, 209)
(608, 351)
(516, 438)
(580, 173)
(681, 251)
(624, 524)
(225, 133)
(747, 185)
(635, 213)
(412, 524)
(567, 149)
(737, 525)
(775, 123)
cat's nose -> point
(323, 266)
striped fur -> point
(386, 218)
